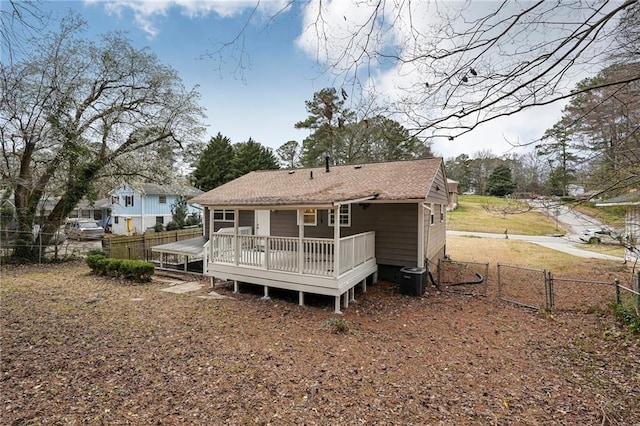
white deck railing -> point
(317, 256)
(356, 250)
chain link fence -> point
(523, 286)
(627, 297)
(59, 246)
(576, 294)
(538, 288)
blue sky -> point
(266, 97)
(262, 101)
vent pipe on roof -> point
(326, 164)
(311, 174)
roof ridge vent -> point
(357, 166)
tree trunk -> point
(25, 249)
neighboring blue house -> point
(134, 209)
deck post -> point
(337, 305)
(352, 294)
(236, 240)
(186, 263)
(364, 285)
(300, 241)
(301, 298)
(266, 293)
(345, 304)
(336, 240)
(236, 286)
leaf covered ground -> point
(81, 349)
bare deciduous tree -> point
(72, 109)
(459, 64)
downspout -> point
(427, 241)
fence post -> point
(499, 281)
(638, 294)
(616, 284)
(548, 285)
(40, 247)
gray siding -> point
(395, 225)
(435, 234)
(438, 197)
(438, 192)
(245, 218)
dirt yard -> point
(79, 349)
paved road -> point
(567, 218)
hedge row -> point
(136, 270)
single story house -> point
(631, 201)
(136, 208)
(99, 210)
(452, 187)
(324, 230)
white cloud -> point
(517, 133)
(146, 12)
(328, 29)
(417, 30)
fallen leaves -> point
(83, 349)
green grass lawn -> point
(612, 215)
(493, 214)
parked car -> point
(596, 235)
(83, 230)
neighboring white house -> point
(631, 201)
(134, 209)
(452, 188)
(99, 210)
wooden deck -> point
(306, 265)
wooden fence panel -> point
(139, 246)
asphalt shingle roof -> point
(155, 189)
(398, 180)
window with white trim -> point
(224, 215)
(162, 199)
(128, 200)
(344, 216)
(442, 210)
(432, 218)
(310, 217)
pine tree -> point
(213, 166)
(500, 182)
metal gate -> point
(524, 286)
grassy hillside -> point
(612, 216)
(492, 214)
